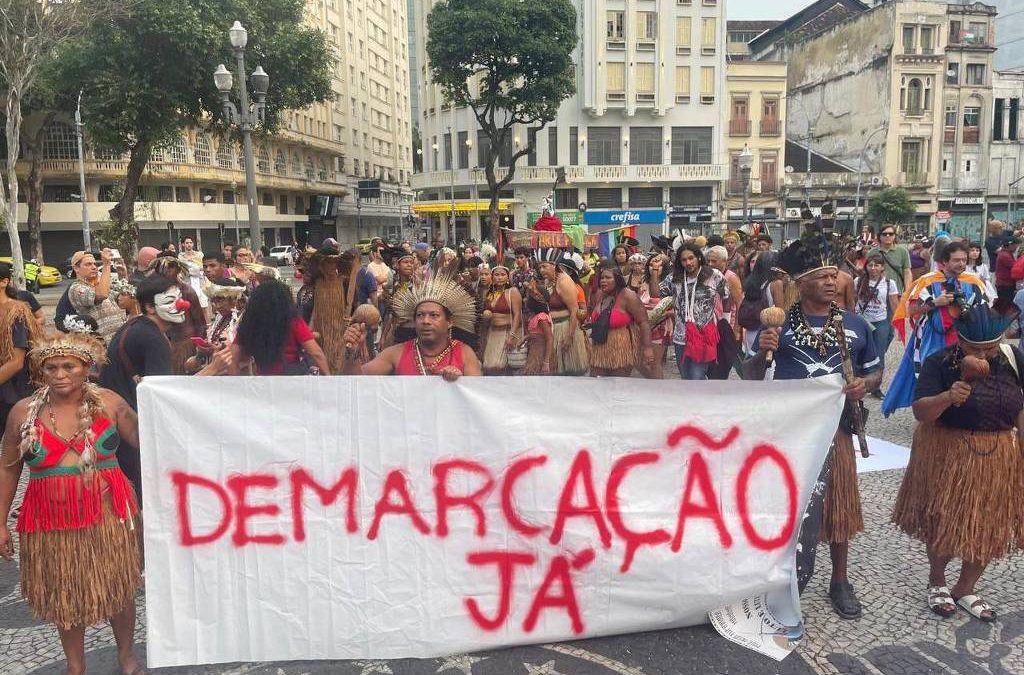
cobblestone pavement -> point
(896, 636)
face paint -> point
(170, 306)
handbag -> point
(516, 358)
(599, 331)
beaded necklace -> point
(805, 336)
(437, 359)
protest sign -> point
(386, 517)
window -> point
(463, 149)
(567, 198)
(241, 159)
(646, 197)
(997, 120)
(483, 148)
(446, 144)
(910, 158)
(263, 162)
(908, 39)
(207, 192)
(914, 96)
(322, 173)
(296, 164)
(225, 158)
(531, 144)
(280, 164)
(683, 30)
(951, 115)
(182, 193)
(60, 193)
(707, 35)
(179, 152)
(157, 155)
(682, 84)
(60, 142)
(616, 25)
(972, 116)
(954, 32)
(1011, 126)
(952, 73)
(977, 33)
(604, 146)
(707, 84)
(691, 145)
(644, 147)
(975, 73)
(689, 196)
(300, 205)
(203, 150)
(282, 204)
(739, 121)
(604, 198)
(769, 173)
(574, 146)
(505, 152)
(927, 32)
(647, 25)
(645, 82)
(552, 146)
(616, 81)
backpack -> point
(64, 307)
(748, 315)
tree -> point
(891, 206)
(30, 32)
(148, 76)
(510, 62)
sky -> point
(764, 9)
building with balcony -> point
(892, 67)
(306, 174)
(1005, 193)
(644, 130)
(756, 108)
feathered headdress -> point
(442, 288)
(812, 252)
(83, 346)
(983, 325)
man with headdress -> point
(932, 304)
(808, 345)
(436, 309)
(333, 302)
(223, 295)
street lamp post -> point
(86, 234)
(860, 177)
(245, 116)
(745, 161)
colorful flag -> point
(609, 239)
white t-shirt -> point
(877, 306)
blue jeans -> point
(882, 336)
(690, 370)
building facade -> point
(1005, 197)
(643, 132)
(739, 35)
(756, 100)
(306, 174)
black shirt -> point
(994, 402)
(29, 300)
(19, 386)
(137, 349)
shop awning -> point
(460, 205)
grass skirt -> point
(963, 492)
(572, 361)
(494, 355)
(80, 577)
(534, 355)
(841, 516)
(618, 351)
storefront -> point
(648, 222)
(468, 218)
(967, 217)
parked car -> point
(364, 245)
(284, 255)
(48, 275)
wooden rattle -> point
(772, 317)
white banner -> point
(371, 517)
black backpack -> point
(64, 307)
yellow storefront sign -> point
(460, 205)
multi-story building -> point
(967, 105)
(774, 44)
(311, 166)
(739, 34)
(1009, 35)
(1006, 152)
(906, 68)
(642, 134)
(756, 105)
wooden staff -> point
(857, 407)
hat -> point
(984, 325)
(227, 287)
(421, 246)
(77, 257)
(81, 345)
(446, 291)
(810, 253)
(550, 255)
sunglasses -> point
(887, 234)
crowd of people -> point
(69, 396)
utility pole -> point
(86, 234)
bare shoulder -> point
(393, 353)
(113, 402)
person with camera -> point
(932, 304)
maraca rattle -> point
(772, 317)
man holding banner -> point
(807, 345)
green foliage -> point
(521, 50)
(891, 206)
(115, 234)
(148, 74)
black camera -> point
(960, 300)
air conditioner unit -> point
(877, 181)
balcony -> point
(970, 134)
(949, 135)
(739, 127)
(771, 127)
(543, 175)
(913, 179)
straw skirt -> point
(618, 351)
(841, 516)
(963, 492)
(80, 577)
(572, 361)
